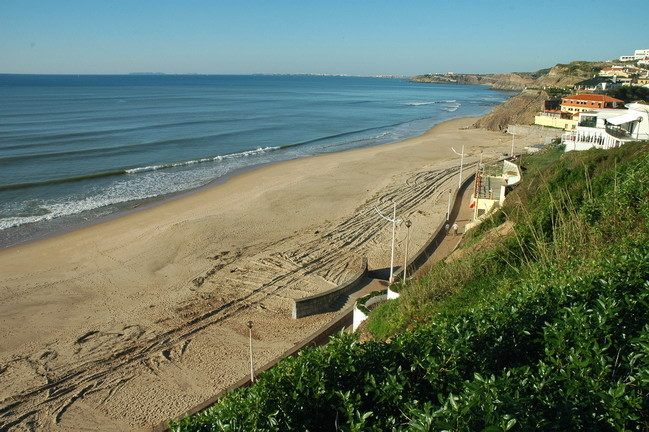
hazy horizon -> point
(339, 37)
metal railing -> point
(618, 132)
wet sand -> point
(128, 323)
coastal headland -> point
(127, 323)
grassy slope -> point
(543, 329)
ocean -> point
(77, 149)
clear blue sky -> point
(365, 37)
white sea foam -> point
(419, 103)
(452, 107)
(145, 169)
(429, 103)
(246, 153)
(152, 181)
(141, 188)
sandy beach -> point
(128, 323)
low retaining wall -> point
(319, 303)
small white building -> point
(609, 128)
(641, 54)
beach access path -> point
(128, 323)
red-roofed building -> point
(588, 102)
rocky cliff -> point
(567, 75)
(519, 109)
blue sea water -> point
(74, 149)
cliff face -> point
(519, 109)
(568, 75)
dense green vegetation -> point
(557, 93)
(630, 93)
(542, 327)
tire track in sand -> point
(275, 272)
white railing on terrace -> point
(584, 140)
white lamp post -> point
(405, 256)
(459, 182)
(252, 373)
(513, 135)
(637, 134)
(394, 221)
(478, 181)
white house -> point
(641, 54)
(609, 128)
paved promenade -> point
(443, 249)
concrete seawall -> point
(319, 303)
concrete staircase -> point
(347, 300)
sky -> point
(357, 37)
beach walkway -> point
(374, 282)
(451, 241)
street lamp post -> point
(394, 221)
(478, 181)
(513, 135)
(637, 134)
(459, 182)
(405, 256)
(394, 227)
(252, 373)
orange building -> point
(588, 102)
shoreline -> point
(60, 203)
(142, 316)
(72, 223)
(78, 224)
